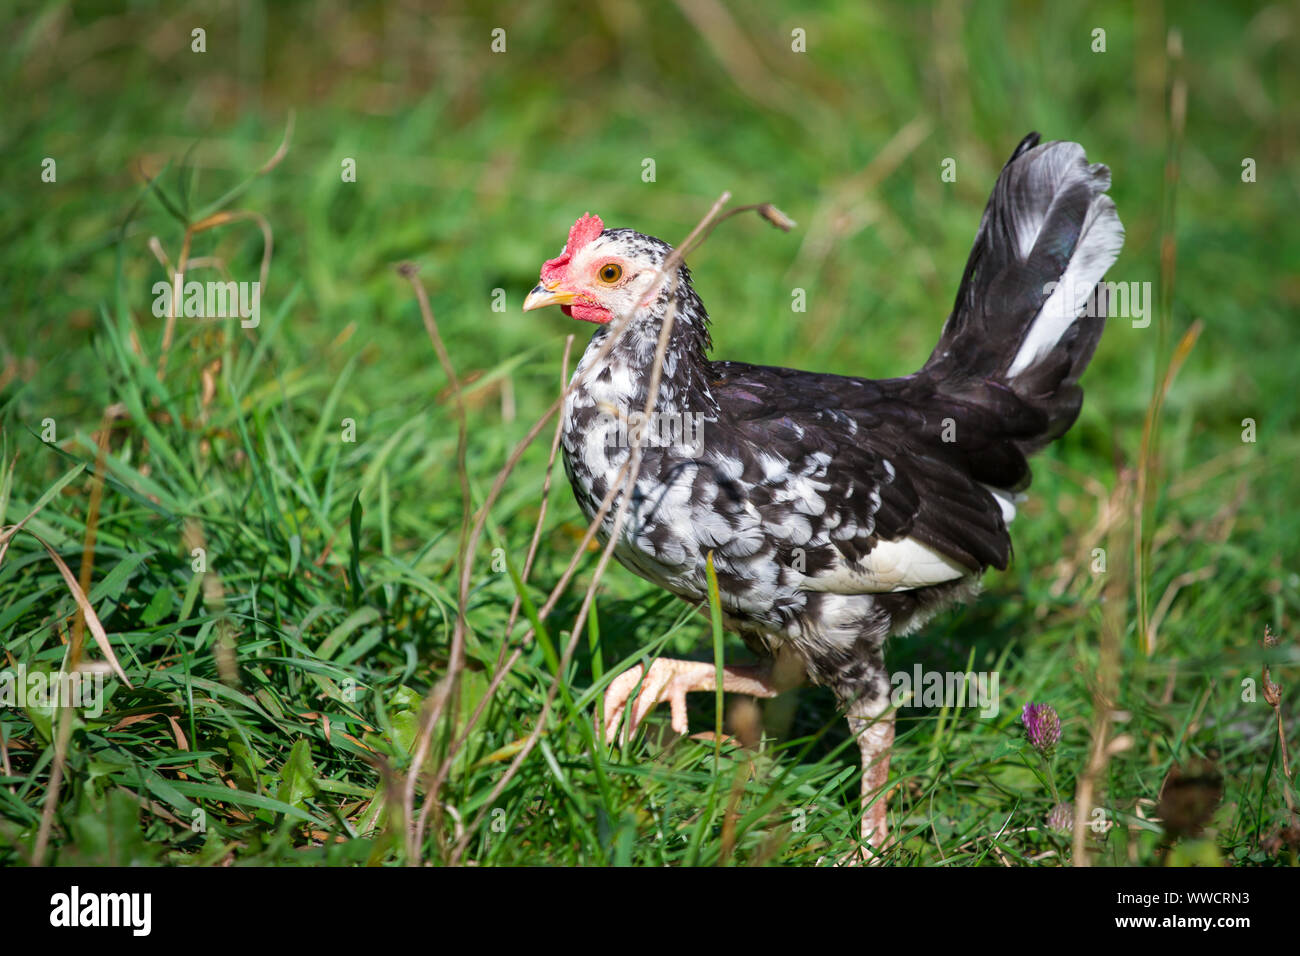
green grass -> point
(277, 696)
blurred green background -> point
(473, 163)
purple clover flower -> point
(1042, 726)
(1061, 819)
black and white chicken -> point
(840, 511)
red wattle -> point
(587, 312)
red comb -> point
(584, 230)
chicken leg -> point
(872, 724)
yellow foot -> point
(669, 681)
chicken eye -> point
(610, 272)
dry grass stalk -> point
(1148, 458)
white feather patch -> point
(1098, 248)
(1100, 240)
(891, 566)
(1006, 502)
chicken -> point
(839, 511)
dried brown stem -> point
(457, 657)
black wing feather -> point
(893, 474)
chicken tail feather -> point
(1031, 305)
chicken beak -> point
(541, 296)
